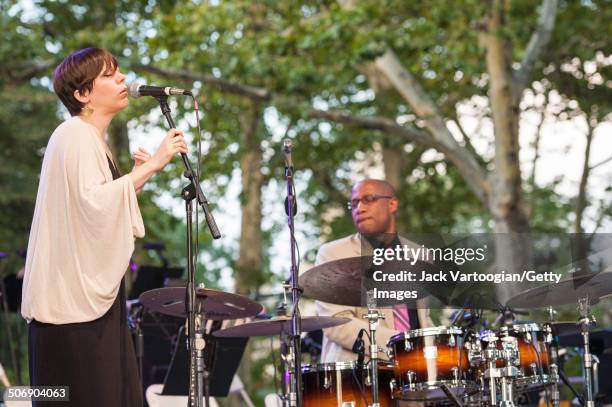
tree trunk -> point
(512, 245)
(249, 265)
(248, 275)
(581, 242)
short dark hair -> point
(78, 72)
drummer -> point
(373, 207)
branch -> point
(475, 176)
(475, 180)
(537, 43)
(607, 160)
(26, 71)
(536, 146)
(252, 92)
(468, 142)
(602, 215)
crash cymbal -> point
(216, 305)
(279, 325)
(340, 281)
(567, 291)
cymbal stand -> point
(554, 366)
(288, 361)
(373, 316)
(286, 353)
(585, 321)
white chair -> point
(273, 400)
(156, 399)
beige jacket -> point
(338, 341)
(83, 230)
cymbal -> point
(215, 304)
(340, 281)
(336, 282)
(279, 325)
(566, 291)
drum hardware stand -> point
(502, 376)
(373, 316)
(295, 395)
(588, 359)
(189, 193)
(569, 385)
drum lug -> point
(411, 378)
(534, 369)
(390, 353)
(455, 372)
(528, 337)
(326, 381)
(451, 341)
(392, 385)
(407, 345)
(554, 372)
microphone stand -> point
(197, 368)
(295, 395)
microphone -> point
(287, 147)
(137, 90)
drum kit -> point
(444, 365)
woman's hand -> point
(140, 156)
(173, 143)
(146, 165)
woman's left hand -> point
(140, 156)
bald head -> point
(380, 185)
(373, 207)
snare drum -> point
(425, 359)
(342, 384)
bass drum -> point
(343, 384)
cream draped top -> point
(83, 230)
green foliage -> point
(307, 55)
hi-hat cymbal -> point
(212, 304)
(279, 325)
(567, 291)
(336, 282)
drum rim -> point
(525, 327)
(430, 331)
(536, 380)
(341, 365)
(470, 387)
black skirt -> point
(95, 359)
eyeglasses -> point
(365, 200)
